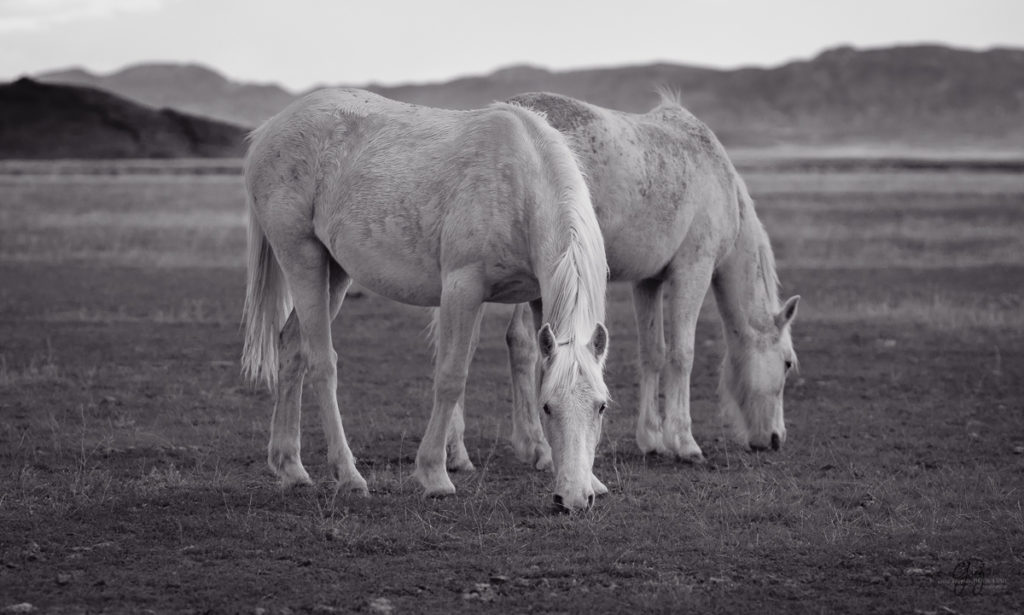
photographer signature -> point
(969, 577)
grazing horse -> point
(676, 218)
(428, 207)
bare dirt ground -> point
(132, 458)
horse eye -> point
(604, 406)
(547, 409)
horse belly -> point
(513, 287)
(639, 249)
(396, 267)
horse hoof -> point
(460, 464)
(650, 442)
(356, 487)
(288, 483)
(696, 459)
(536, 453)
(683, 448)
(598, 487)
(439, 491)
(290, 473)
(435, 484)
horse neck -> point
(745, 284)
(566, 245)
(573, 272)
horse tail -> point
(267, 304)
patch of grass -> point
(187, 311)
(38, 369)
(943, 312)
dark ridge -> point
(55, 121)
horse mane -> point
(579, 277)
(668, 96)
(766, 269)
(769, 274)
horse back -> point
(655, 179)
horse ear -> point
(546, 339)
(599, 343)
(788, 312)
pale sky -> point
(298, 43)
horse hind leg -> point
(283, 453)
(308, 269)
(647, 305)
(283, 450)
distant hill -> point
(186, 87)
(923, 95)
(58, 121)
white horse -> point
(676, 218)
(427, 207)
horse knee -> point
(681, 358)
(448, 391)
(321, 368)
(652, 357)
(519, 339)
(291, 362)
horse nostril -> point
(590, 500)
(558, 500)
(775, 441)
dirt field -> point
(132, 458)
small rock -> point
(1018, 450)
(22, 607)
(481, 592)
(63, 578)
(499, 579)
(333, 534)
(382, 606)
(259, 611)
(33, 552)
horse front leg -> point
(647, 306)
(686, 287)
(461, 309)
(458, 456)
(528, 439)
